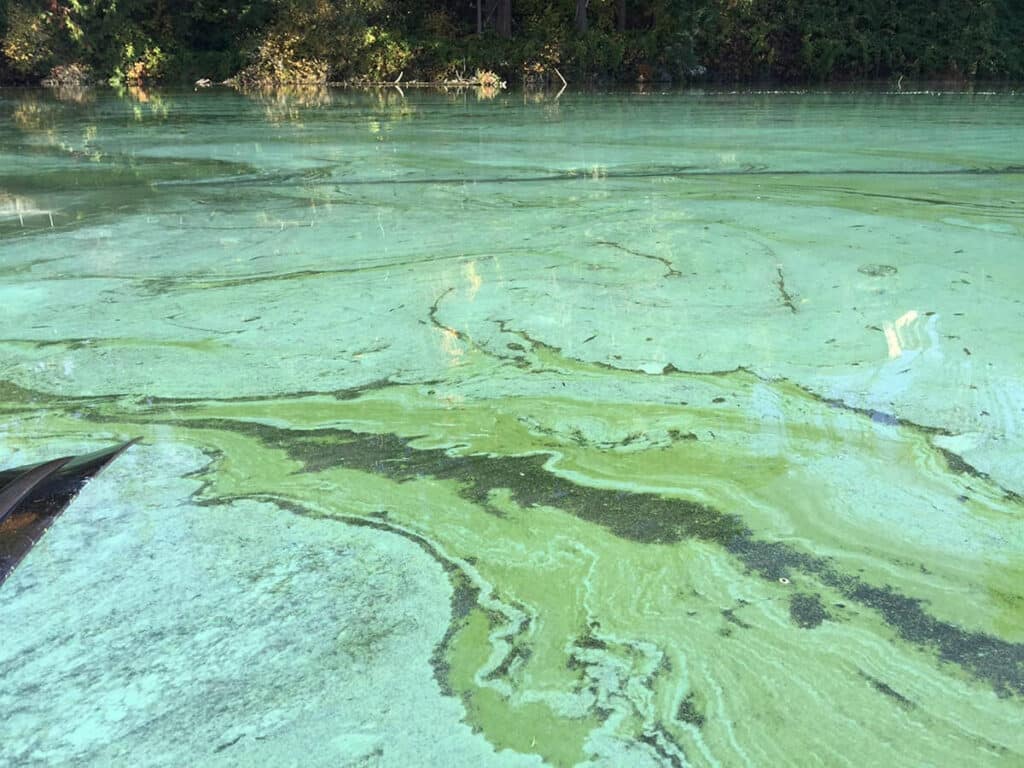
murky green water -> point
(611, 430)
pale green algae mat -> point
(623, 430)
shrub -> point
(28, 42)
(69, 75)
(275, 63)
(138, 70)
(487, 79)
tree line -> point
(144, 41)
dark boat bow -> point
(33, 496)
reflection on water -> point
(903, 334)
(509, 428)
(288, 103)
(15, 207)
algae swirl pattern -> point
(529, 458)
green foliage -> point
(275, 62)
(821, 39)
(301, 40)
(379, 55)
(596, 54)
(1008, 43)
(139, 66)
(28, 40)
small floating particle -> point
(783, 580)
(718, 400)
(967, 351)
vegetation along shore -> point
(532, 42)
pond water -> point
(629, 429)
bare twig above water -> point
(565, 83)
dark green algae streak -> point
(648, 519)
(640, 517)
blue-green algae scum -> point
(610, 430)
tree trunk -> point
(504, 21)
(581, 16)
(621, 15)
(479, 17)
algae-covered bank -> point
(633, 429)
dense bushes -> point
(126, 40)
(820, 39)
(28, 42)
(626, 40)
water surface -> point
(629, 429)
